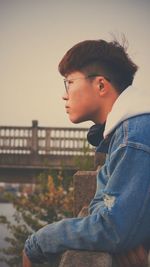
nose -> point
(65, 96)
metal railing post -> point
(34, 145)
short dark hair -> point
(108, 58)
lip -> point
(67, 109)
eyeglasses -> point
(68, 82)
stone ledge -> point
(78, 258)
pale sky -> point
(35, 34)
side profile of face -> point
(83, 102)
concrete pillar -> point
(84, 189)
(84, 186)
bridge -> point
(26, 151)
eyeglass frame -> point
(86, 77)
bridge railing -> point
(43, 140)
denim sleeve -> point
(119, 219)
(102, 180)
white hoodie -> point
(131, 102)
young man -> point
(98, 78)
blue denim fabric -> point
(119, 214)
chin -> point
(76, 120)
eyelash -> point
(70, 81)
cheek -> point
(82, 96)
(80, 102)
(81, 109)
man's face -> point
(82, 98)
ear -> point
(102, 86)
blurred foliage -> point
(85, 161)
(52, 200)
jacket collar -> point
(131, 102)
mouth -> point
(67, 109)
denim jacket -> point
(119, 214)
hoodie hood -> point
(131, 102)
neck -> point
(107, 105)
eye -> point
(69, 81)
